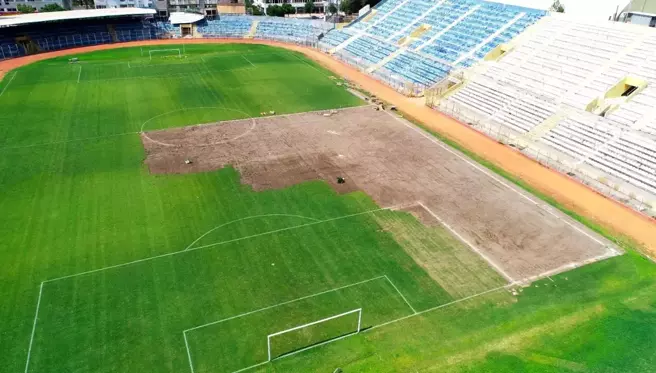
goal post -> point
(167, 51)
(354, 330)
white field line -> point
(315, 346)
(8, 83)
(247, 218)
(401, 294)
(191, 364)
(79, 74)
(438, 307)
(36, 317)
(283, 303)
(251, 367)
(158, 76)
(249, 117)
(326, 74)
(223, 243)
(568, 267)
(296, 352)
(195, 125)
(249, 61)
(471, 246)
(129, 65)
(378, 326)
(493, 177)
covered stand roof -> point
(177, 18)
(25, 19)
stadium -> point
(437, 186)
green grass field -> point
(137, 272)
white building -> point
(104, 4)
(11, 5)
(299, 5)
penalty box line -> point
(385, 277)
(391, 208)
(36, 314)
(445, 305)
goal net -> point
(313, 334)
(164, 53)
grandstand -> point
(577, 92)
(417, 42)
(42, 32)
(582, 92)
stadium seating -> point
(21, 40)
(445, 34)
(564, 67)
(294, 30)
(227, 26)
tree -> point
(280, 11)
(252, 8)
(22, 8)
(309, 6)
(354, 6)
(344, 6)
(287, 8)
(51, 8)
(557, 7)
(87, 4)
(332, 8)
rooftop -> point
(24, 19)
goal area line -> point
(183, 251)
(364, 330)
(318, 344)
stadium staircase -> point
(112, 33)
(449, 27)
(399, 6)
(612, 61)
(472, 52)
(386, 60)
(542, 129)
(28, 44)
(345, 44)
(416, 23)
(253, 30)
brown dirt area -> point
(392, 162)
(570, 193)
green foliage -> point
(287, 9)
(88, 4)
(350, 6)
(309, 6)
(24, 8)
(332, 8)
(51, 8)
(557, 7)
(280, 11)
(344, 6)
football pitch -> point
(106, 267)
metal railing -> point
(600, 183)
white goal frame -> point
(358, 311)
(150, 52)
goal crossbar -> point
(358, 311)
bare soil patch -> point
(567, 191)
(393, 163)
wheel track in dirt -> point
(567, 191)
